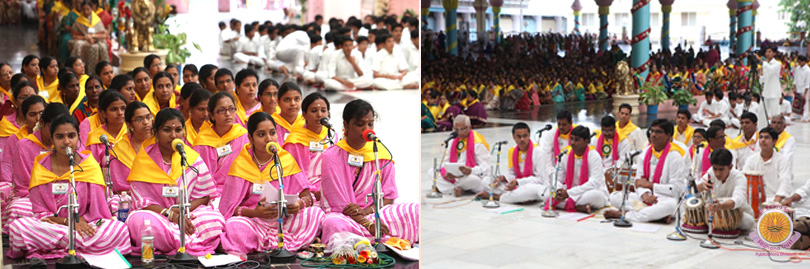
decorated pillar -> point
(640, 54)
(666, 8)
(604, 11)
(451, 22)
(496, 21)
(425, 12)
(754, 24)
(732, 15)
(577, 7)
(481, 19)
(744, 21)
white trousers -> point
(806, 113)
(274, 64)
(521, 194)
(470, 182)
(663, 208)
(594, 198)
(293, 58)
(772, 106)
(359, 83)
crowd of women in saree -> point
(225, 122)
(78, 28)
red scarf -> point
(583, 170)
(557, 143)
(705, 163)
(527, 169)
(659, 168)
(614, 149)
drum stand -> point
(492, 203)
(435, 194)
(622, 222)
(548, 209)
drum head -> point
(694, 202)
(753, 173)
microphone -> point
(369, 135)
(548, 127)
(105, 140)
(325, 122)
(453, 135)
(69, 152)
(272, 147)
(178, 146)
(501, 142)
(592, 135)
(562, 153)
(634, 154)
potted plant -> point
(683, 98)
(174, 44)
(652, 94)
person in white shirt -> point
(367, 55)
(553, 143)
(729, 183)
(476, 168)
(390, 67)
(785, 108)
(711, 109)
(322, 72)
(346, 68)
(735, 110)
(660, 181)
(612, 146)
(269, 40)
(581, 181)
(683, 132)
(292, 50)
(522, 181)
(801, 83)
(228, 39)
(626, 127)
(773, 165)
(786, 143)
(372, 46)
(411, 52)
(769, 77)
(314, 56)
(745, 145)
(249, 50)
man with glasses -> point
(786, 144)
(470, 149)
(660, 181)
(716, 138)
(581, 179)
(612, 145)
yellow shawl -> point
(301, 135)
(191, 134)
(7, 128)
(783, 137)
(95, 135)
(52, 89)
(91, 174)
(209, 137)
(244, 167)
(150, 172)
(280, 121)
(368, 150)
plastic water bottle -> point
(147, 243)
(123, 207)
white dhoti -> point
(293, 58)
(241, 60)
(663, 208)
(594, 198)
(470, 182)
(772, 106)
(388, 84)
(523, 193)
(359, 83)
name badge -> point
(355, 160)
(285, 136)
(59, 188)
(170, 192)
(224, 151)
(258, 188)
(91, 30)
(43, 151)
(315, 146)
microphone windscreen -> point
(177, 144)
(366, 135)
(272, 147)
(104, 139)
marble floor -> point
(460, 233)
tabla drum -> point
(755, 192)
(778, 206)
(695, 217)
(618, 177)
(725, 223)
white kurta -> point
(339, 66)
(801, 79)
(771, 88)
(732, 120)
(249, 45)
(745, 152)
(547, 150)
(802, 207)
(734, 188)
(681, 137)
(638, 139)
(389, 63)
(668, 190)
(787, 151)
(530, 188)
(292, 50)
(776, 176)
(607, 161)
(593, 192)
(476, 180)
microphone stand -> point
(106, 170)
(492, 203)
(71, 260)
(377, 196)
(708, 243)
(678, 234)
(434, 194)
(183, 204)
(622, 222)
(280, 255)
(548, 209)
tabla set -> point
(616, 177)
(726, 222)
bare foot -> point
(584, 208)
(482, 195)
(613, 214)
(458, 192)
(496, 197)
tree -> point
(799, 11)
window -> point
(688, 19)
(589, 19)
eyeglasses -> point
(225, 81)
(222, 111)
(142, 119)
(461, 130)
(657, 131)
